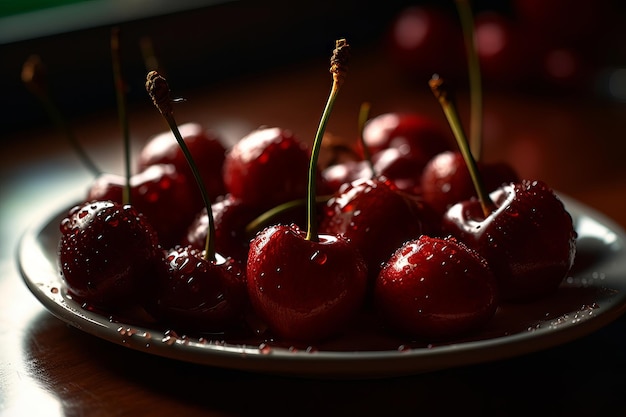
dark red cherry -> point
(412, 133)
(267, 167)
(192, 293)
(424, 40)
(107, 252)
(230, 216)
(345, 172)
(504, 51)
(446, 180)
(304, 290)
(434, 289)
(376, 218)
(529, 239)
(206, 148)
(160, 192)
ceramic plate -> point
(591, 297)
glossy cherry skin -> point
(192, 293)
(304, 290)
(446, 180)
(230, 218)
(412, 133)
(268, 167)
(345, 172)
(206, 148)
(434, 289)
(376, 218)
(106, 252)
(160, 192)
(529, 241)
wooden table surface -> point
(47, 368)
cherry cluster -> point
(396, 229)
(521, 43)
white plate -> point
(592, 297)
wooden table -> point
(49, 368)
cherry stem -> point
(364, 113)
(121, 109)
(441, 93)
(33, 76)
(475, 81)
(159, 91)
(260, 221)
(338, 68)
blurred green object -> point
(13, 7)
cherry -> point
(522, 229)
(401, 167)
(197, 289)
(345, 172)
(106, 252)
(194, 294)
(504, 52)
(376, 218)
(446, 179)
(231, 215)
(160, 192)
(205, 146)
(307, 286)
(267, 167)
(435, 289)
(303, 289)
(412, 133)
(529, 240)
(425, 39)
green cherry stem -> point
(338, 68)
(440, 91)
(475, 80)
(159, 92)
(33, 76)
(265, 218)
(120, 93)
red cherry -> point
(206, 148)
(376, 218)
(529, 240)
(402, 168)
(503, 49)
(307, 286)
(106, 253)
(267, 167)
(230, 216)
(304, 290)
(160, 192)
(412, 133)
(345, 172)
(424, 40)
(436, 289)
(446, 180)
(192, 293)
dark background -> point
(205, 44)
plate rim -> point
(280, 361)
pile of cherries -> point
(397, 232)
(521, 44)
